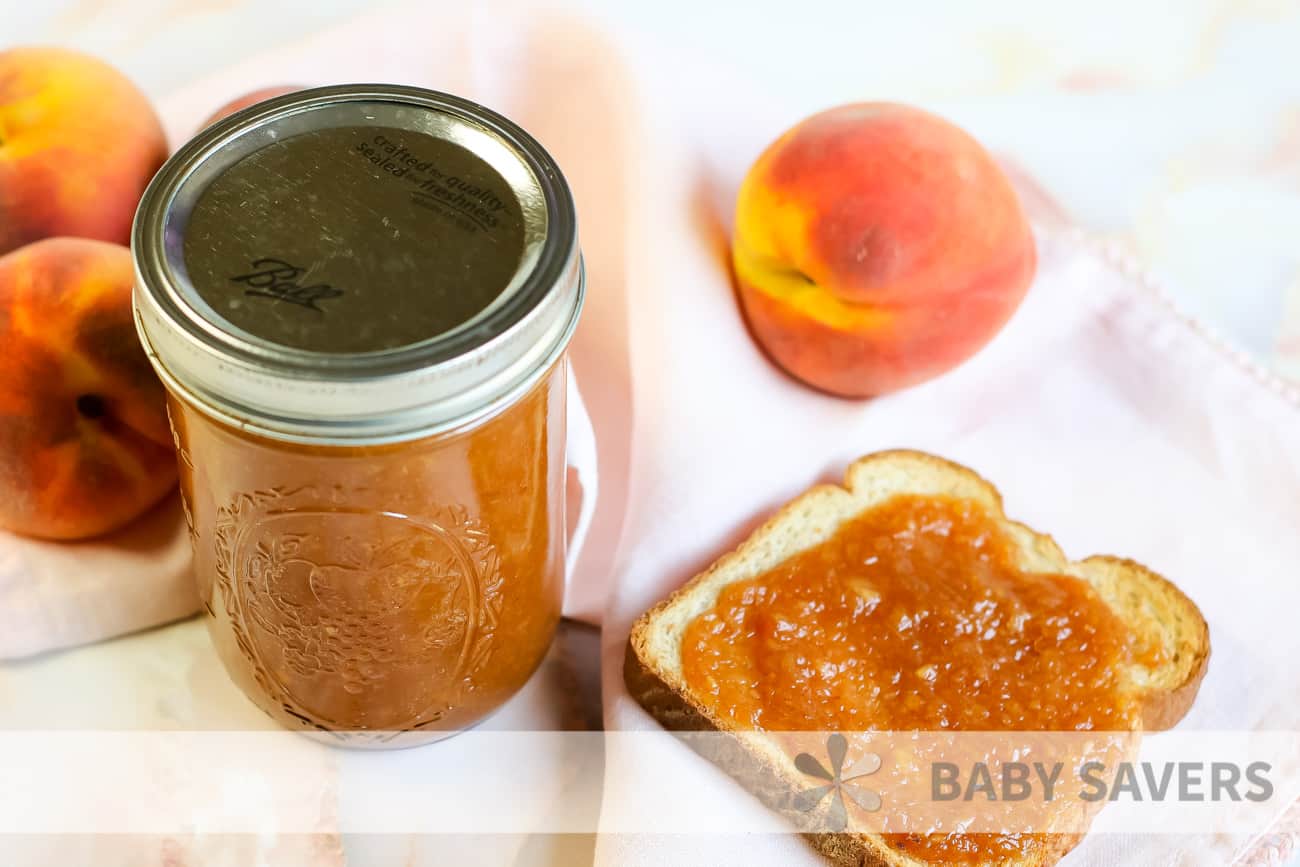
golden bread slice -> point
(1155, 612)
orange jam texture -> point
(913, 616)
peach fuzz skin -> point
(85, 445)
(878, 246)
(78, 145)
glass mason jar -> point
(359, 299)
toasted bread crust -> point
(1149, 603)
(765, 781)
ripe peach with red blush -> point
(78, 144)
(84, 442)
(878, 246)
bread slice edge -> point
(1152, 607)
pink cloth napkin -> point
(1104, 418)
(61, 594)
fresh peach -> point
(78, 144)
(84, 440)
(877, 246)
(250, 98)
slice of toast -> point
(1153, 609)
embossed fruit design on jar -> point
(360, 299)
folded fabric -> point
(61, 594)
(1105, 418)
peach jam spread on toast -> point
(915, 615)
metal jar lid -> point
(356, 264)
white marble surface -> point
(169, 679)
(1173, 127)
